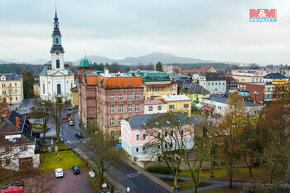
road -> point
(25, 106)
(122, 172)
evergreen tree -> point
(159, 67)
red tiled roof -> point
(201, 70)
(154, 102)
(92, 80)
(121, 82)
(207, 108)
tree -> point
(28, 81)
(159, 67)
(44, 110)
(105, 154)
(57, 108)
(232, 125)
(200, 153)
(170, 137)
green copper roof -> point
(85, 63)
(150, 75)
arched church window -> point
(57, 64)
(56, 40)
(58, 88)
(43, 88)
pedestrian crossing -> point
(75, 141)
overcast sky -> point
(205, 29)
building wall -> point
(11, 90)
(150, 91)
(75, 99)
(240, 78)
(17, 154)
(255, 91)
(195, 97)
(214, 87)
(36, 90)
(147, 109)
(179, 106)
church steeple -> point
(56, 37)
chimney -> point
(17, 122)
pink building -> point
(134, 136)
(105, 101)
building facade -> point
(104, 101)
(178, 103)
(215, 83)
(253, 91)
(155, 106)
(56, 79)
(271, 81)
(195, 92)
(247, 77)
(11, 88)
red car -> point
(68, 120)
(18, 189)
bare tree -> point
(232, 125)
(170, 137)
(56, 114)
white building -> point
(17, 145)
(155, 106)
(215, 83)
(56, 79)
(218, 105)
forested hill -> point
(17, 68)
(218, 66)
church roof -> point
(85, 62)
(47, 66)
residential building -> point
(202, 70)
(17, 145)
(178, 103)
(135, 136)
(11, 88)
(171, 68)
(56, 78)
(36, 89)
(217, 104)
(231, 84)
(195, 92)
(215, 83)
(75, 97)
(253, 91)
(155, 106)
(247, 77)
(105, 100)
(271, 81)
(156, 84)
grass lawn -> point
(242, 174)
(225, 190)
(67, 159)
(184, 185)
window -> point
(57, 64)
(16, 98)
(137, 96)
(159, 108)
(112, 133)
(10, 84)
(171, 133)
(212, 83)
(43, 88)
(120, 119)
(112, 121)
(120, 109)
(129, 108)
(137, 149)
(208, 84)
(129, 97)
(23, 148)
(120, 97)
(3, 85)
(11, 98)
(15, 84)
(112, 109)
(58, 88)
(150, 108)
(137, 108)
(171, 106)
(186, 106)
(56, 40)
(137, 137)
(112, 98)
(144, 136)
(166, 134)
(215, 83)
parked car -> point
(68, 119)
(59, 172)
(92, 174)
(79, 135)
(71, 123)
(76, 169)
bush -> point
(158, 169)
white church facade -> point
(56, 78)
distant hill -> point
(147, 59)
(17, 68)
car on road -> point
(79, 135)
(59, 172)
(68, 119)
(71, 123)
(76, 169)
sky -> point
(216, 30)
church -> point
(56, 78)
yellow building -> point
(75, 97)
(11, 88)
(247, 77)
(178, 103)
(36, 90)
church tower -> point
(57, 51)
